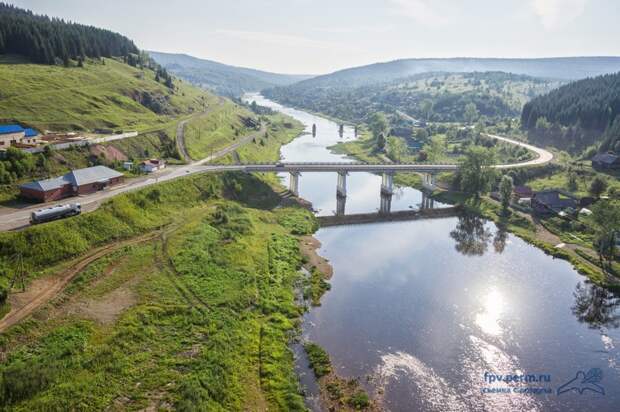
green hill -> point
(430, 96)
(104, 94)
(222, 78)
(577, 115)
(565, 68)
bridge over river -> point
(14, 219)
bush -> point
(318, 359)
(359, 400)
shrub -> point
(318, 359)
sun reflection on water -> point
(494, 305)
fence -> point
(85, 142)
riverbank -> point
(518, 223)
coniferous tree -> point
(48, 41)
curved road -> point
(11, 219)
(544, 156)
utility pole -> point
(20, 273)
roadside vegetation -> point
(208, 311)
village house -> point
(14, 134)
(522, 192)
(77, 182)
(606, 161)
(552, 201)
(152, 165)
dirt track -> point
(41, 291)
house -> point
(552, 201)
(31, 137)
(14, 134)
(522, 192)
(10, 135)
(74, 183)
(152, 165)
(606, 161)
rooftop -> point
(605, 158)
(10, 128)
(77, 177)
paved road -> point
(544, 156)
(11, 219)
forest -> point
(47, 40)
(578, 114)
(436, 96)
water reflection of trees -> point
(499, 241)
(596, 306)
(471, 236)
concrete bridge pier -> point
(427, 202)
(428, 181)
(341, 188)
(387, 184)
(340, 205)
(386, 204)
(293, 184)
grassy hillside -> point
(197, 317)
(429, 96)
(108, 95)
(222, 78)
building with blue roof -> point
(11, 134)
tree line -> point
(52, 41)
(585, 109)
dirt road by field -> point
(42, 290)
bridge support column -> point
(387, 184)
(341, 188)
(340, 205)
(293, 184)
(386, 204)
(428, 181)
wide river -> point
(429, 314)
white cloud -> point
(426, 12)
(557, 13)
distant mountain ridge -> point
(222, 78)
(561, 68)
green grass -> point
(214, 312)
(584, 176)
(281, 129)
(95, 96)
(215, 130)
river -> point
(429, 313)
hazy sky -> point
(318, 36)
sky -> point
(322, 36)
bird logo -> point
(584, 382)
